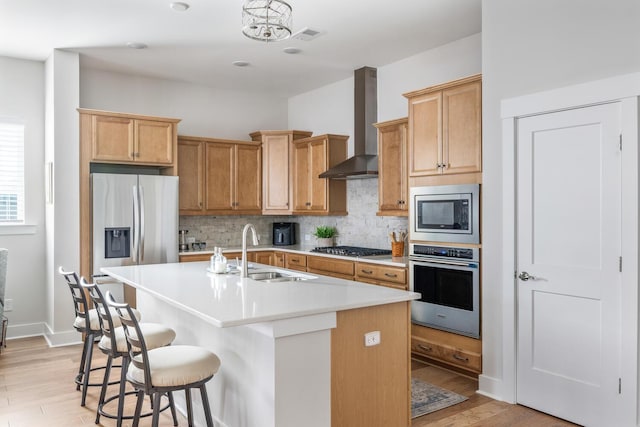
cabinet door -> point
(318, 164)
(190, 171)
(248, 177)
(112, 138)
(265, 257)
(392, 175)
(462, 128)
(301, 200)
(278, 259)
(275, 154)
(154, 142)
(219, 159)
(425, 134)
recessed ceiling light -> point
(136, 45)
(179, 6)
(240, 63)
(291, 50)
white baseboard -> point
(491, 387)
(42, 329)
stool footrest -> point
(103, 413)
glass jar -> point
(218, 261)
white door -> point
(569, 243)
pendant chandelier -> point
(266, 20)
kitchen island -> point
(293, 352)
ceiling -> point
(200, 44)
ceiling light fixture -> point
(291, 50)
(240, 63)
(179, 6)
(266, 20)
(136, 45)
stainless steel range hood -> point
(364, 163)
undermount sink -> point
(272, 276)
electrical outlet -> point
(307, 237)
(8, 305)
(191, 240)
(372, 338)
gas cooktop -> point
(351, 251)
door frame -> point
(626, 90)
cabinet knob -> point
(425, 347)
(460, 358)
(366, 271)
(390, 275)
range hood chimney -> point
(364, 163)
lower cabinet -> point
(376, 274)
(295, 261)
(194, 257)
(339, 268)
(451, 350)
(278, 259)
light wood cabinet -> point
(295, 261)
(445, 128)
(124, 138)
(333, 267)
(194, 257)
(393, 192)
(278, 259)
(261, 257)
(311, 157)
(451, 350)
(277, 166)
(377, 274)
(219, 177)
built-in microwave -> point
(445, 213)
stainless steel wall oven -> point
(449, 280)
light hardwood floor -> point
(37, 390)
(478, 410)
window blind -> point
(11, 172)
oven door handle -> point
(445, 262)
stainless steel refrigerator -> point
(135, 221)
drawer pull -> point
(425, 347)
(461, 358)
(366, 271)
(390, 275)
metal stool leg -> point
(205, 405)
(87, 369)
(105, 384)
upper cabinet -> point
(277, 166)
(313, 195)
(392, 167)
(219, 177)
(126, 139)
(445, 128)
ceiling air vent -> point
(306, 34)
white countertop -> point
(306, 250)
(227, 300)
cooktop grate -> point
(351, 251)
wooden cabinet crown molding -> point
(442, 86)
(127, 115)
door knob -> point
(524, 276)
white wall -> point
(529, 46)
(329, 109)
(21, 95)
(204, 111)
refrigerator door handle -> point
(136, 216)
(141, 201)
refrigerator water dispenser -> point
(116, 242)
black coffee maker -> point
(284, 233)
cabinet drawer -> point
(454, 356)
(331, 265)
(295, 262)
(380, 272)
(194, 257)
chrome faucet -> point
(254, 241)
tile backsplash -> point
(360, 228)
